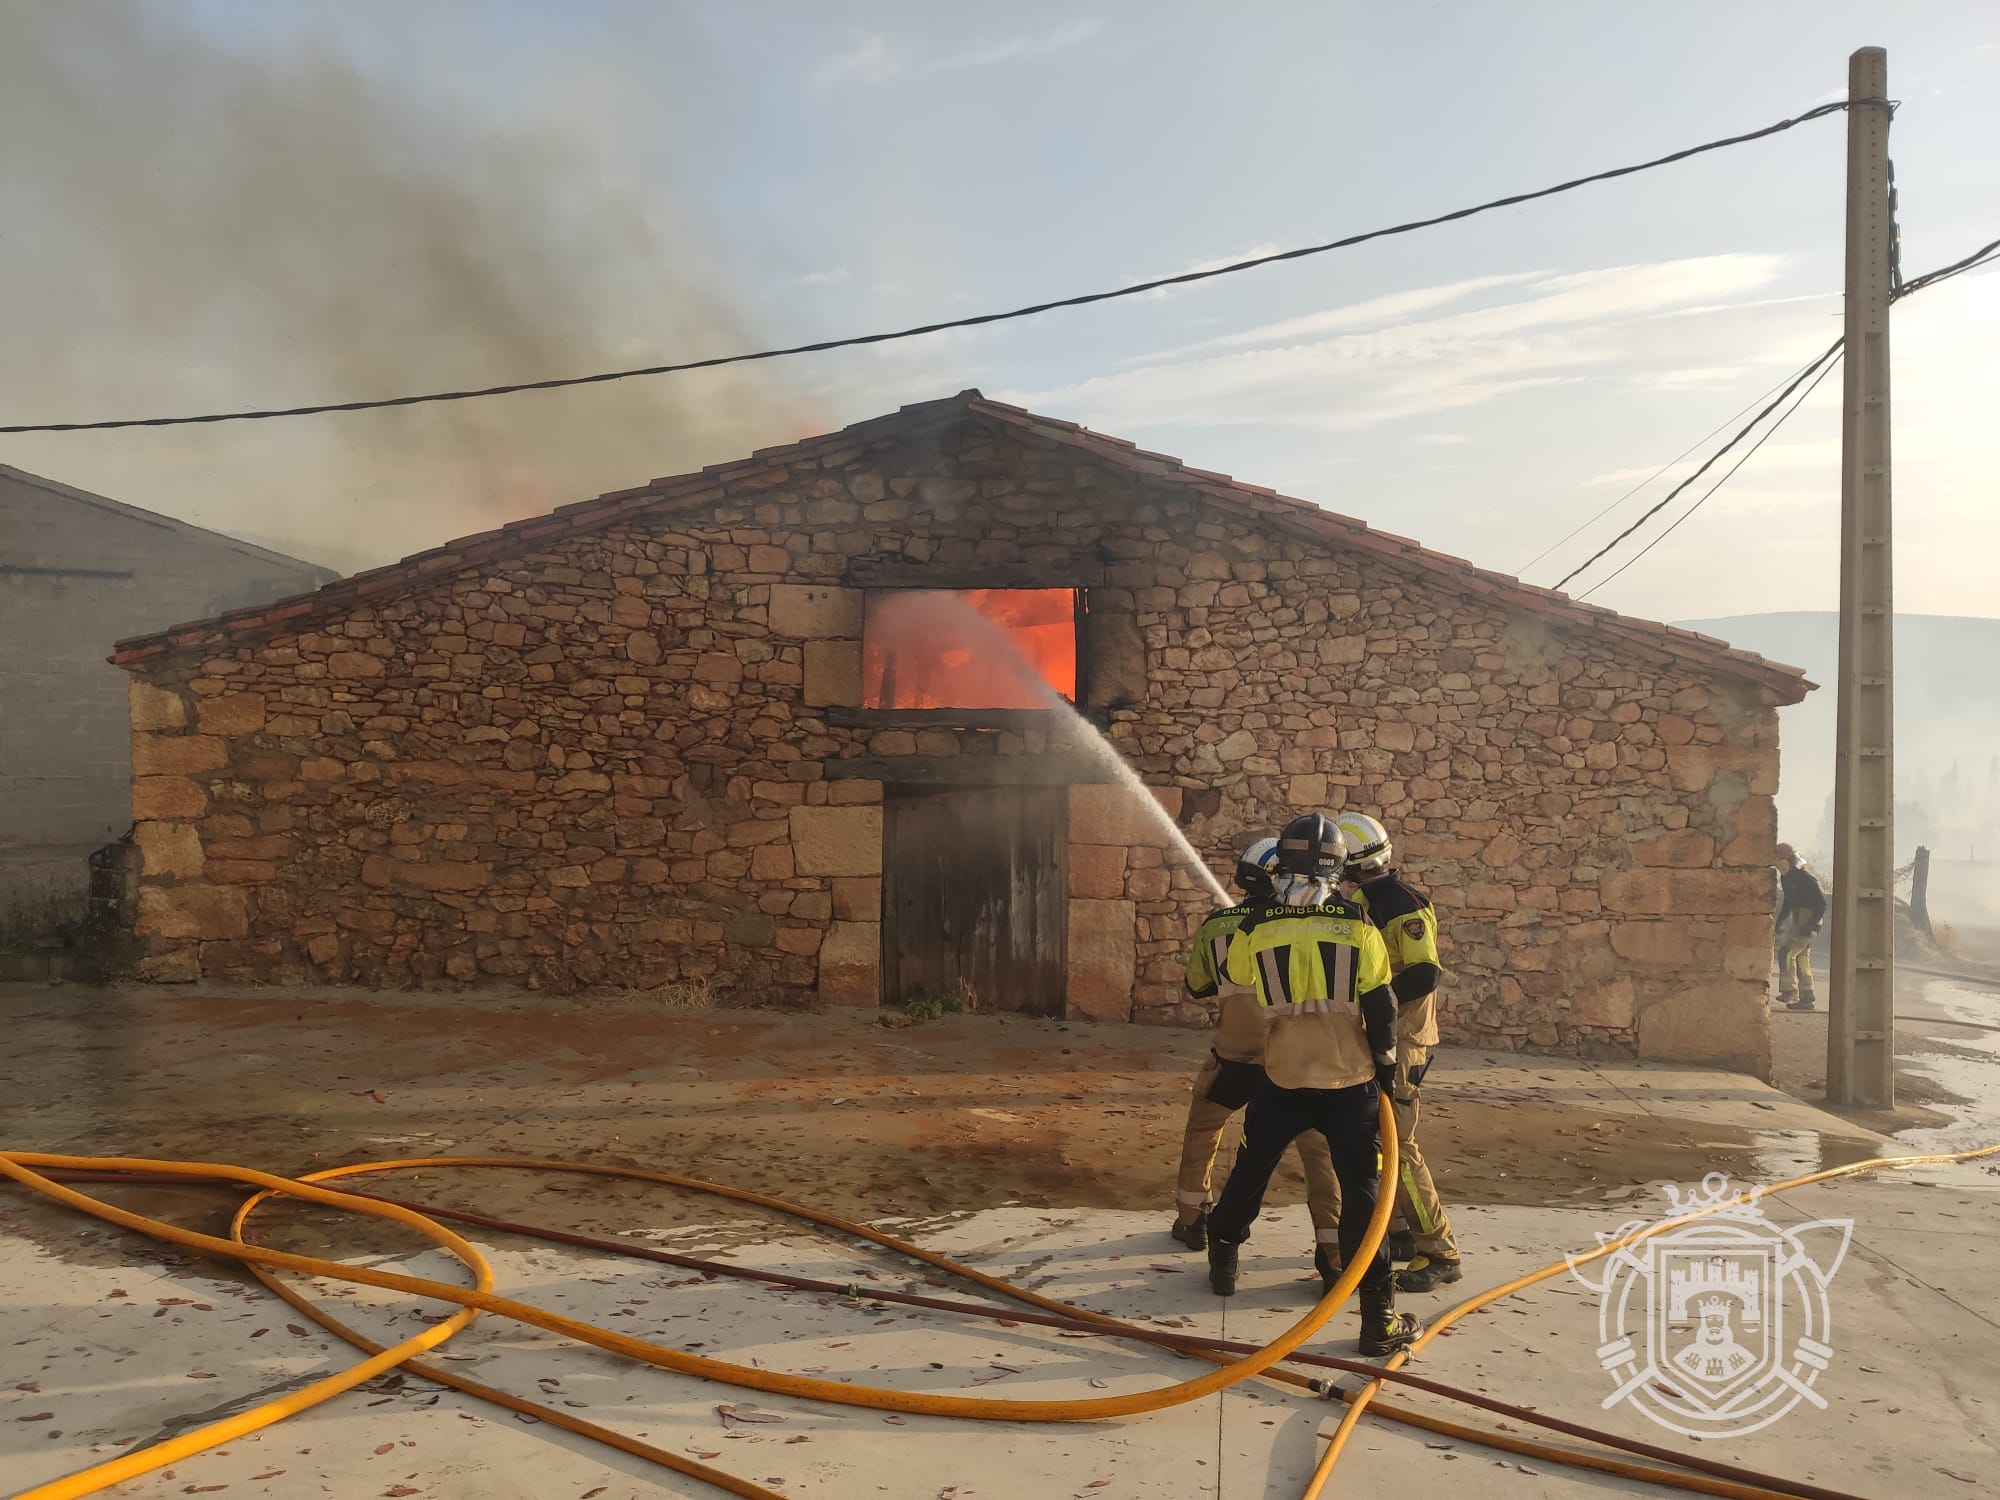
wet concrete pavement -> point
(1022, 1145)
(1947, 1059)
(963, 1113)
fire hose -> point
(1358, 1401)
(20, 1166)
(879, 1297)
(264, 1262)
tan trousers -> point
(1794, 944)
(1419, 1210)
(1205, 1125)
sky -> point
(226, 203)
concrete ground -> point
(1032, 1149)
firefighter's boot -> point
(1221, 1268)
(1194, 1232)
(1383, 1329)
(1428, 1272)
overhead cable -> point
(1767, 435)
(1709, 462)
(1586, 525)
(1987, 253)
(1182, 279)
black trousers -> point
(1348, 1119)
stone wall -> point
(614, 758)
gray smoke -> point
(192, 224)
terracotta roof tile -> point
(1403, 541)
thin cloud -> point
(1565, 329)
(872, 60)
(1706, 309)
(827, 277)
(1821, 454)
(877, 59)
(1213, 263)
(1392, 307)
(1694, 378)
(1019, 48)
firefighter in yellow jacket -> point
(1321, 972)
(1235, 1063)
(1420, 1232)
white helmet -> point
(1256, 865)
(1369, 851)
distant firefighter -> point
(1801, 910)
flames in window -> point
(968, 648)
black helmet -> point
(1312, 846)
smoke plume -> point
(199, 219)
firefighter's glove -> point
(1385, 1073)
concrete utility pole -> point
(1861, 1031)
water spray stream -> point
(927, 615)
(1100, 749)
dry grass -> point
(694, 995)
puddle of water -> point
(1781, 1154)
(1966, 1072)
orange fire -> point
(968, 648)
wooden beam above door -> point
(972, 770)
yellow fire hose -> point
(1735, 1485)
(1358, 1400)
(19, 1166)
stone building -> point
(77, 571)
(728, 725)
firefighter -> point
(1235, 1062)
(1321, 972)
(1800, 913)
(1420, 1232)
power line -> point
(1586, 525)
(1981, 256)
(1707, 463)
(1769, 432)
(1985, 254)
(1082, 300)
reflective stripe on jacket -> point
(1310, 966)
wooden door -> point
(975, 895)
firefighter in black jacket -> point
(1420, 1233)
(1321, 972)
(1800, 912)
(1235, 1063)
